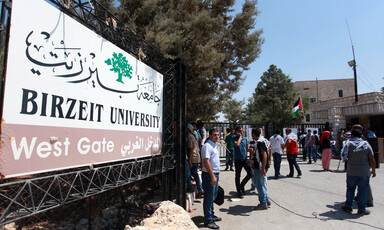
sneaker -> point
(365, 212)
(289, 175)
(369, 205)
(347, 209)
(212, 225)
(232, 169)
(269, 203)
(216, 219)
(239, 195)
(226, 169)
(299, 174)
(260, 207)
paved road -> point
(311, 202)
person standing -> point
(230, 149)
(317, 146)
(326, 147)
(370, 133)
(360, 157)
(194, 158)
(210, 175)
(203, 133)
(241, 161)
(291, 145)
(333, 143)
(309, 146)
(277, 145)
(260, 164)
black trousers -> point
(293, 163)
(239, 165)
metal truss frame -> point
(24, 197)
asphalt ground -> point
(313, 201)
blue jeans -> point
(317, 154)
(261, 186)
(310, 153)
(195, 175)
(229, 159)
(362, 183)
(334, 150)
(210, 194)
(188, 175)
(276, 163)
(304, 154)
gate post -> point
(180, 133)
(267, 130)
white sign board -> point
(72, 98)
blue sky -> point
(309, 39)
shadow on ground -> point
(336, 213)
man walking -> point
(360, 157)
(241, 161)
(277, 145)
(260, 163)
(210, 175)
(291, 145)
(230, 149)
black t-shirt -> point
(260, 145)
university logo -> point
(120, 66)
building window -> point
(340, 93)
(306, 88)
(307, 118)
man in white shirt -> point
(210, 176)
(277, 146)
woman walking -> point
(326, 147)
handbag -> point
(220, 196)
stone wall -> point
(326, 89)
(338, 111)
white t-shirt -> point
(276, 142)
(209, 150)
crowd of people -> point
(203, 153)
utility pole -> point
(353, 64)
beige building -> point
(333, 101)
(323, 90)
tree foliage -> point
(273, 98)
(215, 46)
(233, 111)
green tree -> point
(121, 66)
(215, 46)
(274, 97)
(233, 111)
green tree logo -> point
(120, 65)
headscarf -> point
(325, 134)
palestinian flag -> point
(297, 107)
